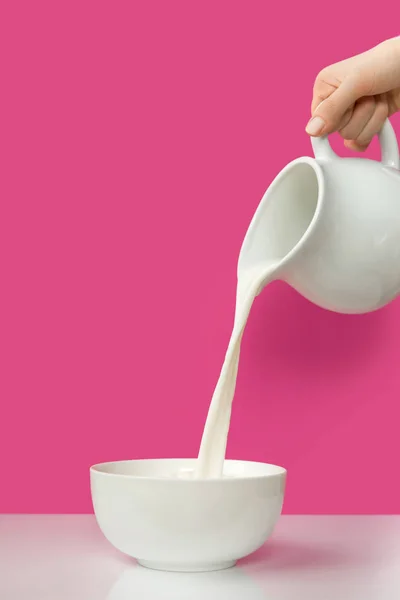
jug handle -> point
(387, 139)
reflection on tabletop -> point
(140, 583)
(66, 557)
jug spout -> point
(284, 219)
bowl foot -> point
(187, 568)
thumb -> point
(328, 115)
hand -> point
(355, 96)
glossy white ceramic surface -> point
(333, 225)
(65, 557)
(155, 512)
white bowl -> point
(154, 511)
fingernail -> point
(315, 126)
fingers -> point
(329, 114)
(361, 141)
(357, 122)
(362, 113)
(346, 118)
(351, 145)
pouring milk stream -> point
(330, 228)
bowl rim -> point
(98, 470)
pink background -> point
(137, 139)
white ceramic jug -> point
(332, 225)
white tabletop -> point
(309, 557)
